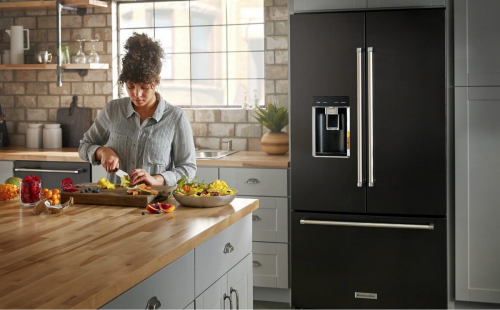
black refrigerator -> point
(368, 159)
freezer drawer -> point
(368, 267)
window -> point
(215, 48)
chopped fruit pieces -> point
(8, 191)
(104, 183)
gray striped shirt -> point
(162, 144)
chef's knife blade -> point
(121, 173)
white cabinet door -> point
(240, 284)
(6, 170)
(270, 264)
(213, 297)
(477, 193)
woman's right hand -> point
(109, 160)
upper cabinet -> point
(300, 6)
(477, 44)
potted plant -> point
(274, 142)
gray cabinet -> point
(234, 290)
(6, 170)
(270, 221)
(477, 193)
(173, 286)
(300, 6)
(477, 42)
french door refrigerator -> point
(368, 159)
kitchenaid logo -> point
(365, 295)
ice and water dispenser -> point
(330, 119)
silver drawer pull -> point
(373, 225)
(228, 248)
(253, 181)
(153, 303)
(230, 301)
(231, 291)
(256, 218)
(256, 263)
(77, 171)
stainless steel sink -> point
(213, 154)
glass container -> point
(30, 192)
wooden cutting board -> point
(74, 122)
(116, 197)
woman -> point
(145, 136)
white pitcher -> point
(17, 44)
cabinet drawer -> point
(270, 264)
(210, 260)
(270, 221)
(253, 181)
(173, 286)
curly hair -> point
(142, 62)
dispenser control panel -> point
(331, 101)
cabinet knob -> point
(153, 303)
(256, 263)
(256, 218)
(231, 291)
(253, 181)
(228, 248)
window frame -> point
(122, 92)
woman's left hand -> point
(141, 176)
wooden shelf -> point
(54, 66)
(28, 5)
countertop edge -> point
(102, 297)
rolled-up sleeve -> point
(96, 137)
(183, 153)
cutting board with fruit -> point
(90, 193)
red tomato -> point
(186, 188)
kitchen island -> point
(89, 255)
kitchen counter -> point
(90, 254)
(240, 159)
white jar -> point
(34, 135)
(52, 136)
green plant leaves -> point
(272, 118)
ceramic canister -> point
(34, 136)
(52, 136)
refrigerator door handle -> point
(371, 225)
(371, 178)
(359, 82)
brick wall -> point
(212, 126)
(32, 96)
(29, 96)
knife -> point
(121, 173)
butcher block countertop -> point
(90, 254)
(240, 159)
